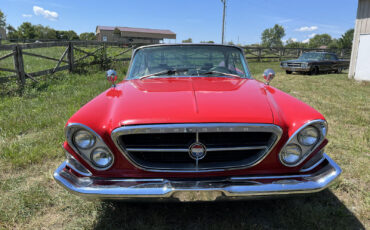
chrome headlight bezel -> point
(304, 137)
(72, 129)
(82, 132)
(321, 127)
(98, 150)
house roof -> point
(136, 30)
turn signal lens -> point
(291, 154)
(308, 136)
(101, 157)
(83, 139)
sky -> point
(200, 20)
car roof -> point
(320, 52)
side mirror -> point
(112, 76)
(268, 75)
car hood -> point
(179, 100)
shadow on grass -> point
(317, 211)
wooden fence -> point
(278, 54)
(69, 60)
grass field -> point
(31, 133)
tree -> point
(27, 31)
(320, 40)
(45, 32)
(334, 44)
(271, 37)
(290, 43)
(87, 36)
(116, 31)
(189, 40)
(12, 32)
(67, 35)
(2, 19)
(212, 42)
(231, 43)
(345, 42)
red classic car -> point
(190, 123)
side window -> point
(327, 57)
(235, 64)
(333, 57)
(139, 66)
(105, 38)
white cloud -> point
(294, 39)
(307, 28)
(284, 20)
(51, 15)
(306, 40)
(27, 15)
(312, 35)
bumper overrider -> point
(87, 186)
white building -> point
(360, 58)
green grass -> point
(31, 133)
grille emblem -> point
(197, 151)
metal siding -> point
(362, 27)
(363, 57)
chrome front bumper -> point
(296, 69)
(198, 190)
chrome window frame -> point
(244, 60)
(194, 128)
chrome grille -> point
(294, 64)
(165, 147)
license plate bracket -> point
(189, 196)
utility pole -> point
(223, 21)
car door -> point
(334, 62)
(326, 62)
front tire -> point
(288, 72)
(315, 71)
(339, 70)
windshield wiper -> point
(164, 72)
(221, 73)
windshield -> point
(188, 60)
(312, 56)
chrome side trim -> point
(194, 128)
(242, 187)
(308, 149)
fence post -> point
(19, 66)
(70, 57)
(259, 54)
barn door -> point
(363, 59)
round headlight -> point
(84, 139)
(101, 157)
(291, 154)
(308, 136)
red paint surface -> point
(193, 100)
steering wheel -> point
(220, 69)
